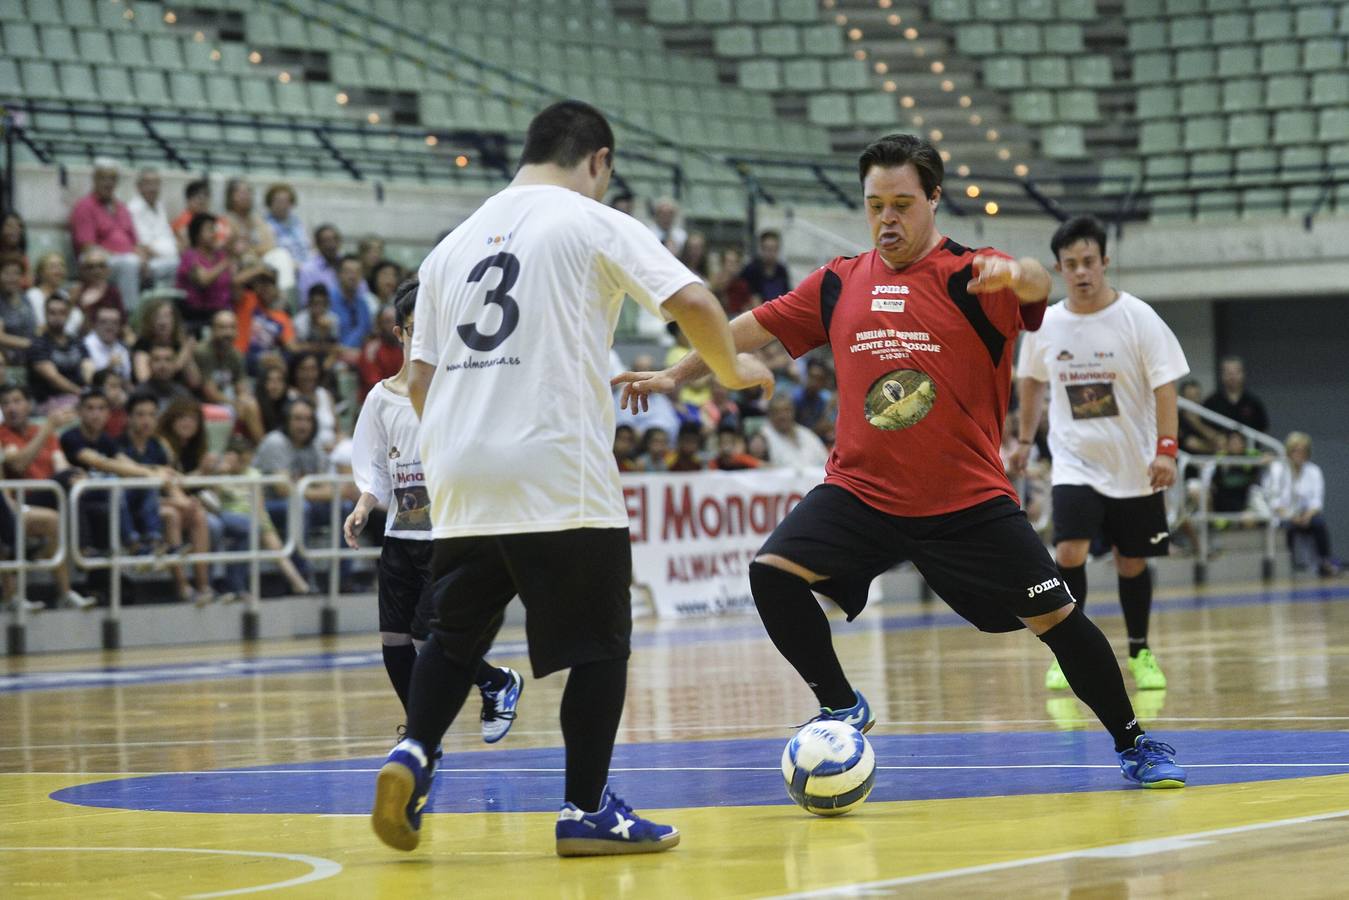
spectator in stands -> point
(791, 444)
(306, 376)
(222, 375)
(1232, 483)
(665, 216)
(112, 386)
(660, 412)
(33, 452)
(382, 282)
(655, 453)
(321, 267)
(350, 305)
(694, 254)
(142, 447)
(625, 448)
(264, 326)
(246, 226)
(197, 199)
(1233, 400)
(237, 511)
(720, 408)
(59, 368)
(765, 274)
(182, 430)
(166, 383)
(14, 243)
(757, 447)
(205, 274)
(99, 219)
(286, 225)
(813, 400)
(695, 393)
(294, 451)
(93, 291)
(370, 250)
(315, 325)
(273, 392)
(152, 227)
(731, 454)
(1196, 437)
(1297, 495)
(382, 355)
(688, 452)
(103, 344)
(48, 278)
(162, 326)
(624, 202)
(725, 281)
(18, 325)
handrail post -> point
(251, 624)
(335, 563)
(112, 623)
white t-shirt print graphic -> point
(386, 462)
(517, 310)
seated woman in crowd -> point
(183, 433)
(205, 274)
(14, 243)
(306, 376)
(93, 290)
(251, 236)
(49, 277)
(18, 325)
(383, 281)
(1297, 494)
(162, 326)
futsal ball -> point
(893, 391)
(829, 768)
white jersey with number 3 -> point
(516, 311)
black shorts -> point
(986, 561)
(405, 587)
(1135, 526)
(574, 585)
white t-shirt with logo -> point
(1102, 369)
(386, 462)
(517, 310)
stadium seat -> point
(129, 48)
(1256, 166)
(734, 41)
(222, 92)
(1272, 25)
(803, 74)
(780, 40)
(114, 84)
(1078, 106)
(21, 41)
(1300, 163)
(1049, 71)
(1333, 125)
(1022, 39)
(1323, 54)
(1190, 31)
(1063, 142)
(1210, 169)
(1314, 21)
(1285, 91)
(977, 40)
(952, 10)
(1036, 10)
(1248, 130)
(1237, 61)
(1147, 35)
(257, 96)
(1063, 38)
(1330, 88)
(1193, 65)
(829, 109)
(58, 44)
(1243, 94)
(1257, 202)
(1151, 68)
(1033, 107)
(799, 11)
(1077, 10)
(1005, 72)
(1231, 28)
(77, 82)
(1203, 133)
(847, 75)
(1217, 204)
(39, 80)
(1280, 57)
(1199, 98)
(1093, 71)
(669, 12)
(1162, 136)
(1222, 6)
(1143, 9)
(149, 86)
(714, 12)
(756, 11)
(1184, 7)
(1119, 175)
(186, 90)
(875, 108)
(166, 52)
(79, 13)
(995, 10)
(822, 40)
(1156, 102)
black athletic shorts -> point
(574, 585)
(405, 587)
(986, 561)
(1135, 526)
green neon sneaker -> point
(1054, 680)
(1147, 674)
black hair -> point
(290, 407)
(23, 229)
(92, 393)
(346, 258)
(566, 133)
(770, 233)
(325, 227)
(728, 425)
(380, 267)
(1078, 228)
(239, 444)
(895, 150)
(319, 289)
(628, 428)
(405, 300)
(100, 380)
(197, 225)
(10, 387)
(196, 188)
(687, 428)
(138, 398)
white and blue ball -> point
(829, 768)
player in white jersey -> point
(1111, 364)
(387, 467)
(510, 376)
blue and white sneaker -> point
(498, 707)
(613, 829)
(859, 715)
(1152, 764)
(400, 793)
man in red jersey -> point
(922, 331)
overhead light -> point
(991, 208)
(1021, 170)
(972, 191)
(432, 140)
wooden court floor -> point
(231, 770)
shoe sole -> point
(493, 740)
(600, 847)
(393, 789)
(1168, 783)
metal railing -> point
(335, 551)
(18, 490)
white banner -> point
(694, 534)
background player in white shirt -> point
(1113, 364)
(510, 377)
(387, 468)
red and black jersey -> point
(924, 373)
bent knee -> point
(394, 639)
(1038, 625)
(782, 564)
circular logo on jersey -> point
(899, 399)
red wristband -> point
(1167, 446)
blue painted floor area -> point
(731, 773)
(687, 632)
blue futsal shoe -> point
(1152, 764)
(859, 715)
(613, 829)
(400, 794)
(498, 707)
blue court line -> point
(730, 773)
(709, 632)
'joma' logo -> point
(1042, 587)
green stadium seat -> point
(1300, 163)
(1330, 88)
(293, 99)
(21, 41)
(129, 48)
(408, 74)
(829, 109)
(345, 70)
(1143, 9)
(1324, 54)
(1033, 107)
(222, 92)
(803, 74)
(77, 82)
(1222, 6)
(1272, 25)
(1162, 136)
(995, 10)
(1243, 94)
(1282, 57)
(1211, 169)
(1215, 205)
(1203, 133)
(58, 44)
(1344, 19)
(1022, 39)
(1049, 71)
(39, 80)
(1063, 142)
(114, 84)
(1248, 130)
(875, 108)
(1199, 98)
(780, 40)
(1231, 28)
(952, 10)
(1152, 68)
(1237, 61)
(757, 11)
(1314, 21)
(1093, 71)
(1064, 38)
(1283, 91)
(1190, 31)
(1294, 127)
(1005, 72)
(166, 52)
(734, 41)
(1077, 10)
(1157, 102)
(1256, 166)
(1259, 202)
(1119, 175)
(110, 15)
(234, 60)
(9, 72)
(1036, 10)
(197, 55)
(714, 12)
(1184, 7)
(1193, 65)
(1169, 207)
(379, 72)
(822, 40)
(257, 95)
(1079, 106)
(977, 40)
(44, 12)
(1147, 35)
(847, 75)
(150, 88)
(799, 11)
(291, 32)
(669, 12)
(80, 13)
(1333, 125)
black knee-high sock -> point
(439, 687)
(1135, 598)
(592, 704)
(1089, 665)
(398, 662)
(489, 678)
(800, 631)
(1075, 578)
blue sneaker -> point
(613, 829)
(400, 794)
(1152, 764)
(859, 715)
(498, 707)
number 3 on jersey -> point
(498, 296)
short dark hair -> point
(405, 299)
(318, 289)
(197, 225)
(1078, 228)
(348, 257)
(566, 133)
(92, 393)
(196, 188)
(281, 188)
(100, 379)
(10, 387)
(139, 398)
(768, 233)
(895, 150)
(326, 226)
(239, 444)
(11, 260)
